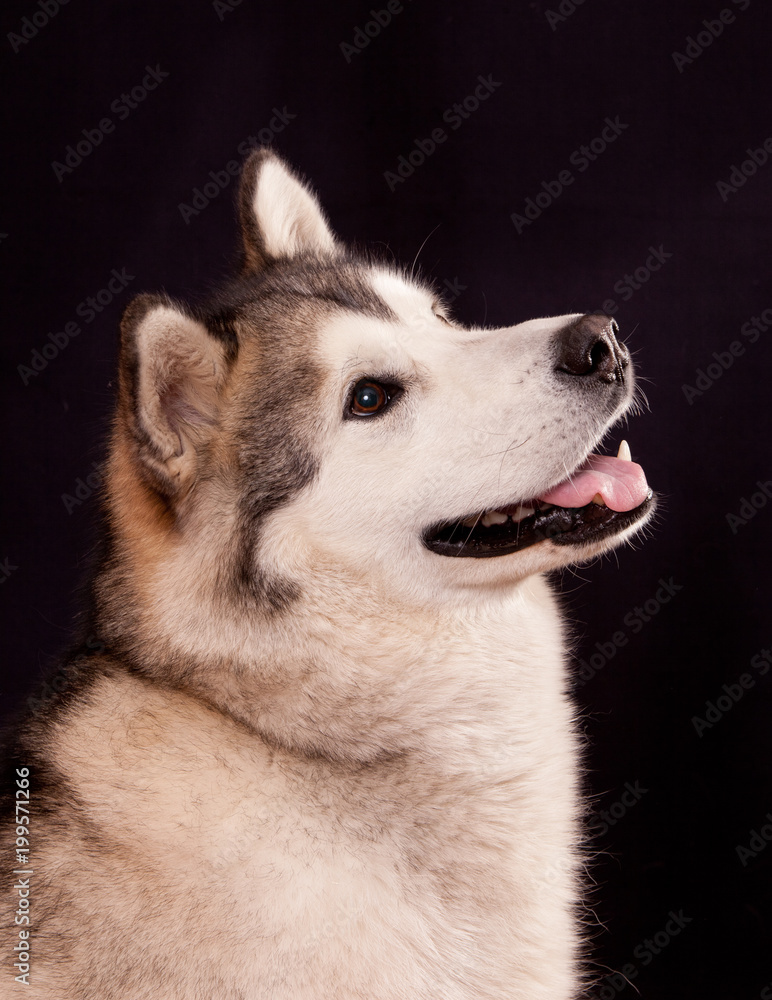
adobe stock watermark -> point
(706, 378)
(634, 622)
(201, 197)
(712, 28)
(224, 7)
(379, 19)
(23, 826)
(122, 107)
(564, 10)
(738, 176)
(644, 953)
(732, 693)
(451, 289)
(53, 687)
(84, 488)
(454, 116)
(6, 569)
(581, 158)
(750, 506)
(87, 310)
(633, 282)
(32, 24)
(759, 841)
(602, 820)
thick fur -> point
(307, 757)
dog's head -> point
(320, 453)
(324, 421)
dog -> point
(318, 742)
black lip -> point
(561, 525)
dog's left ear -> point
(172, 374)
(280, 217)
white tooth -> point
(493, 517)
(470, 522)
(598, 499)
(522, 512)
(624, 452)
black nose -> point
(589, 349)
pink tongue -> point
(622, 485)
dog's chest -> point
(418, 878)
(298, 884)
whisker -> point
(506, 452)
(415, 259)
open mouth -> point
(603, 497)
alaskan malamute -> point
(317, 743)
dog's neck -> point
(456, 685)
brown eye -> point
(368, 398)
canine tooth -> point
(470, 522)
(522, 512)
(598, 499)
(493, 517)
(624, 452)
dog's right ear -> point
(280, 216)
(172, 373)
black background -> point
(655, 186)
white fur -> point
(288, 215)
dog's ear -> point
(280, 217)
(172, 372)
